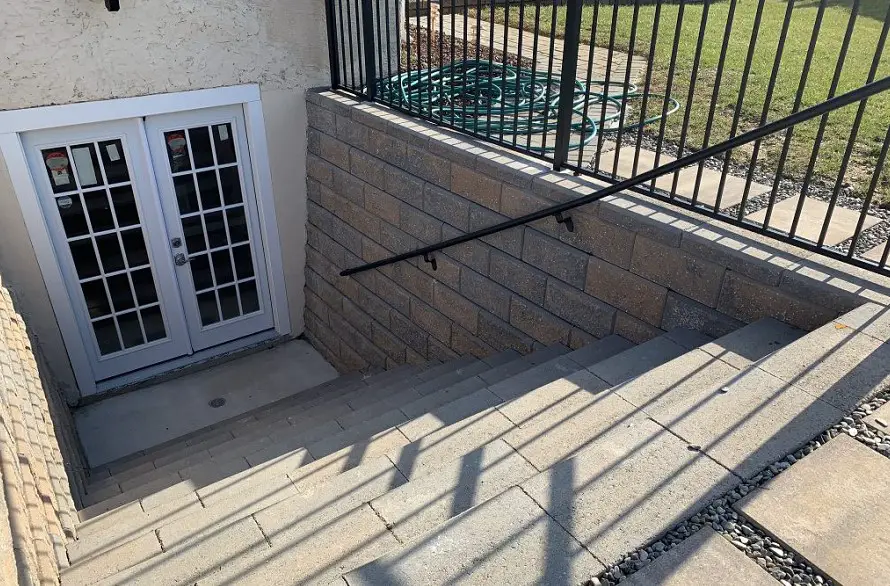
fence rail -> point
(615, 89)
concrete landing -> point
(698, 561)
(831, 508)
(128, 423)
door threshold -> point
(178, 367)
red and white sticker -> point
(58, 165)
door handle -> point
(181, 259)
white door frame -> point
(15, 122)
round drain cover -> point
(217, 402)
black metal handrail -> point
(557, 210)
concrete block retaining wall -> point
(40, 462)
(382, 183)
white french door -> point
(157, 240)
(202, 164)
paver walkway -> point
(832, 509)
(541, 51)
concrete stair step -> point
(423, 457)
(401, 394)
(576, 406)
(124, 467)
(626, 484)
(247, 451)
(451, 469)
(248, 435)
(516, 385)
(121, 526)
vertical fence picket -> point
(566, 104)
(479, 85)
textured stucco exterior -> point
(65, 51)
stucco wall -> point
(65, 51)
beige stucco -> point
(65, 51)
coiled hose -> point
(494, 99)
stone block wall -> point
(382, 183)
(40, 461)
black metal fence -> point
(616, 88)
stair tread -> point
(247, 440)
(460, 408)
(470, 549)
(578, 414)
(445, 449)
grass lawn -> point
(859, 59)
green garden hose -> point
(493, 99)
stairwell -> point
(534, 469)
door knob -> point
(180, 259)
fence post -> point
(571, 41)
(369, 53)
(333, 60)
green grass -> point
(864, 40)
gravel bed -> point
(785, 566)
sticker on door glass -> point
(179, 158)
(64, 202)
(223, 130)
(114, 154)
(83, 162)
(59, 170)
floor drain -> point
(217, 402)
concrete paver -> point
(477, 402)
(359, 431)
(456, 486)
(632, 485)
(507, 540)
(310, 558)
(831, 508)
(428, 453)
(129, 523)
(120, 558)
(875, 253)
(880, 419)
(195, 558)
(751, 343)
(580, 384)
(698, 561)
(870, 318)
(733, 189)
(637, 360)
(537, 357)
(835, 363)
(444, 396)
(747, 423)
(573, 424)
(533, 378)
(842, 225)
